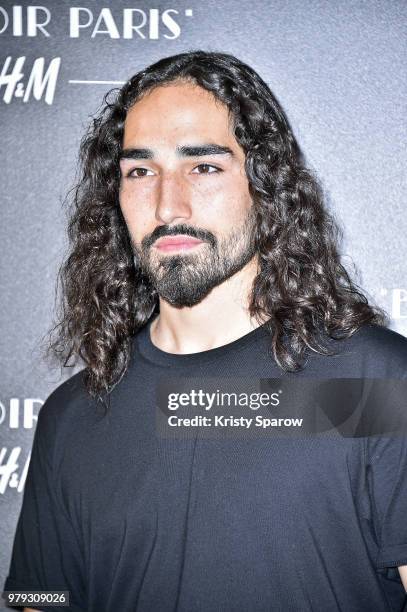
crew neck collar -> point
(156, 355)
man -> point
(201, 248)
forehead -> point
(177, 111)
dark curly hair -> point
(302, 291)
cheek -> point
(136, 213)
(229, 200)
(134, 199)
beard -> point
(186, 278)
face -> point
(184, 193)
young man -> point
(201, 248)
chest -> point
(132, 477)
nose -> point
(173, 199)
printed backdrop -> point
(338, 68)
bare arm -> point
(403, 575)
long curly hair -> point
(302, 291)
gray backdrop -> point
(337, 67)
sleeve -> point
(387, 477)
(46, 554)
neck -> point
(221, 317)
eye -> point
(206, 169)
(140, 173)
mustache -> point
(167, 230)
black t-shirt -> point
(127, 520)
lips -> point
(169, 243)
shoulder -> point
(382, 351)
(65, 407)
(386, 342)
(372, 351)
(386, 339)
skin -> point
(175, 190)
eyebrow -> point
(181, 151)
